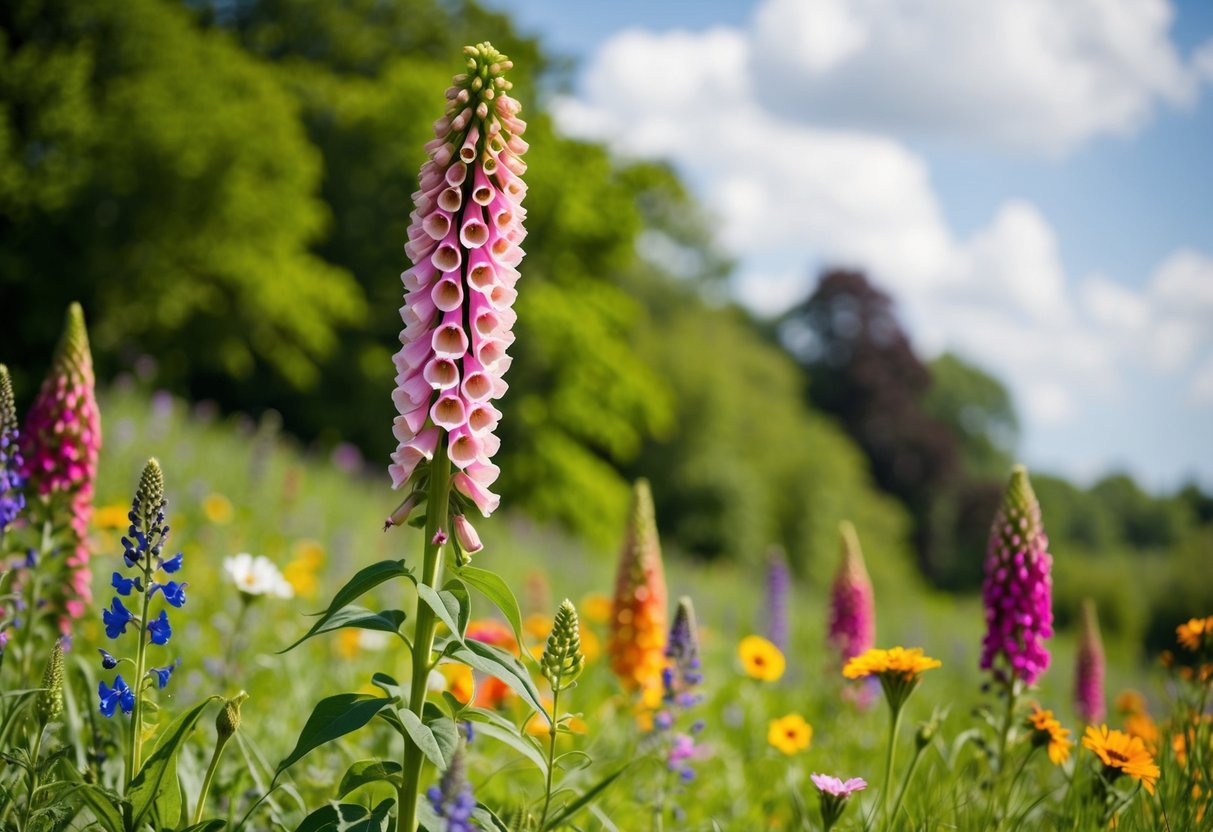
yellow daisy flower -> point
(894, 661)
(761, 659)
(790, 734)
(1048, 731)
(1122, 754)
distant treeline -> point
(225, 186)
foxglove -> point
(852, 629)
(1018, 589)
(638, 614)
(464, 243)
(1089, 670)
(60, 444)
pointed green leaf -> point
(444, 604)
(333, 717)
(492, 586)
(422, 737)
(387, 621)
(363, 581)
(369, 771)
(498, 663)
(156, 783)
(580, 803)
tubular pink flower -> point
(852, 628)
(463, 240)
(1018, 587)
(60, 443)
(466, 534)
(1089, 670)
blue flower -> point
(174, 592)
(119, 695)
(163, 673)
(125, 585)
(116, 619)
(107, 659)
(172, 564)
(159, 628)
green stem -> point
(135, 743)
(35, 750)
(1012, 696)
(894, 725)
(547, 796)
(905, 784)
(206, 782)
(31, 603)
(437, 506)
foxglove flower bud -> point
(638, 615)
(60, 444)
(464, 242)
(1018, 587)
(12, 500)
(852, 628)
(779, 583)
(1089, 670)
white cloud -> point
(788, 193)
(1033, 75)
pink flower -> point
(466, 534)
(1018, 587)
(464, 241)
(852, 608)
(60, 443)
(1089, 672)
(835, 787)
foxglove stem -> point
(423, 638)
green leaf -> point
(212, 825)
(106, 806)
(492, 586)
(460, 593)
(445, 605)
(369, 771)
(446, 733)
(519, 744)
(155, 786)
(333, 717)
(502, 665)
(580, 803)
(487, 819)
(388, 621)
(423, 737)
(363, 581)
(389, 685)
(333, 817)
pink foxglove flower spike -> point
(1018, 588)
(1089, 670)
(464, 242)
(60, 443)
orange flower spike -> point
(638, 614)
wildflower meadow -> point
(210, 623)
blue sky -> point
(1033, 182)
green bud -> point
(562, 661)
(228, 720)
(49, 706)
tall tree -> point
(862, 369)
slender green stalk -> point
(1012, 697)
(31, 603)
(35, 751)
(547, 796)
(905, 784)
(206, 784)
(894, 726)
(423, 639)
(135, 742)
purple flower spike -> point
(1018, 588)
(779, 583)
(1089, 673)
(852, 607)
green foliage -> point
(127, 173)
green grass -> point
(285, 501)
